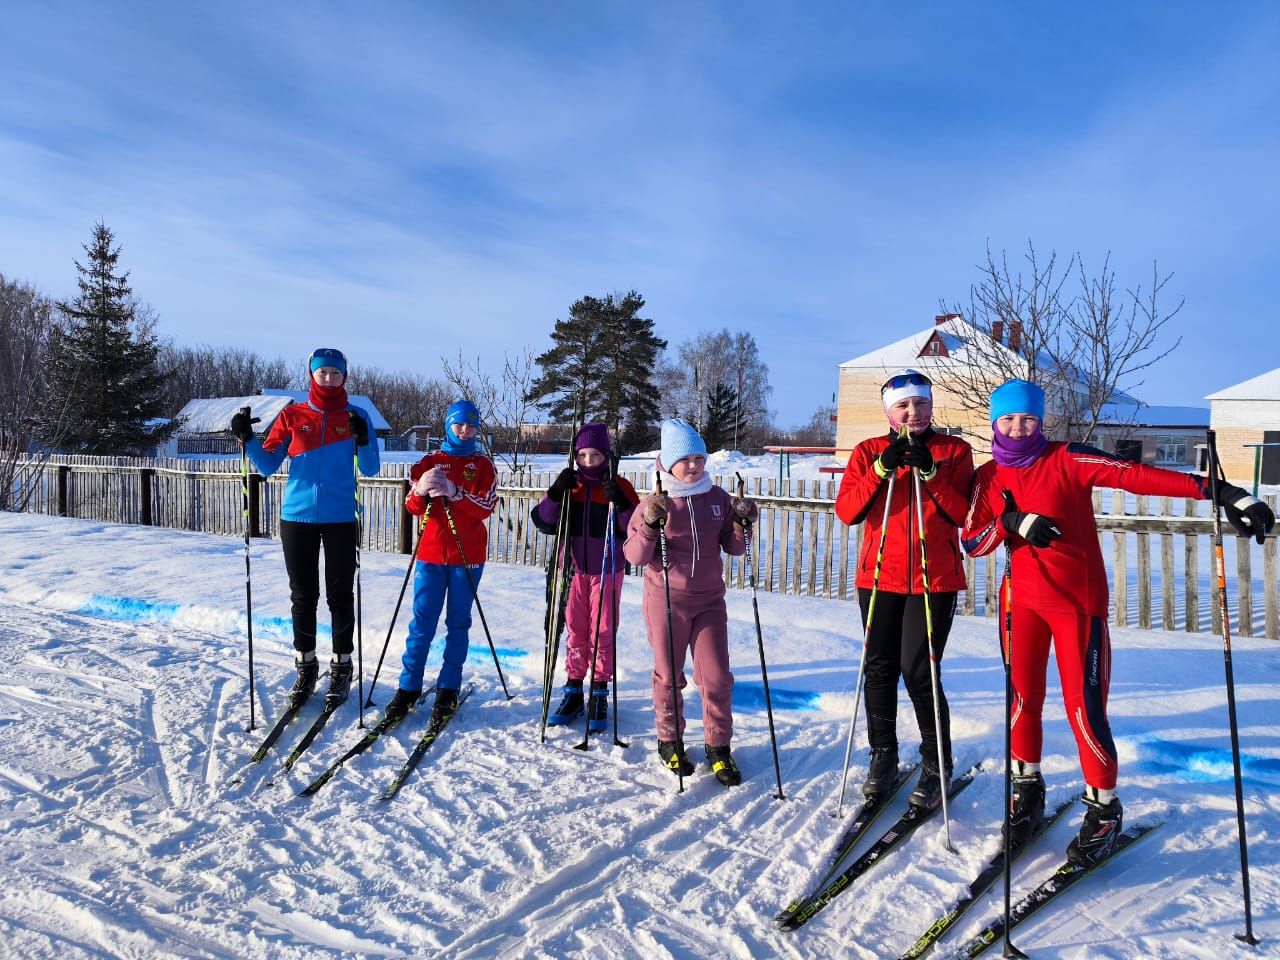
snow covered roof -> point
(956, 335)
(213, 414)
(1265, 386)
(1144, 415)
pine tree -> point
(102, 366)
(724, 420)
(606, 353)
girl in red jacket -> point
(459, 478)
(896, 644)
(1037, 495)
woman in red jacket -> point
(1037, 494)
(897, 643)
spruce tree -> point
(605, 353)
(102, 368)
(725, 422)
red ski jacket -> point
(477, 482)
(1068, 574)
(946, 500)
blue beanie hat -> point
(679, 440)
(460, 411)
(328, 357)
(1017, 396)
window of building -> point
(1171, 450)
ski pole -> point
(471, 581)
(866, 642)
(557, 585)
(671, 640)
(1007, 650)
(595, 644)
(248, 584)
(944, 775)
(613, 638)
(1216, 473)
(404, 584)
(764, 672)
(355, 462)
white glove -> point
(422, 485)
(439, 484)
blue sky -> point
(407, 179)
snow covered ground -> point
(130, 827)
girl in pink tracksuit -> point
(699, 520)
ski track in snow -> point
(131, 824)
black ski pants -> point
(898, 646)
(302, 543)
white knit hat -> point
(903, 384)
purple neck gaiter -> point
(593, 476)
(1018, 453)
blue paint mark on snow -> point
(748, 695)
(128, 609)
(1200, 764)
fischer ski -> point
(1061, 880)
(866, 815)
(291, 710)
(361, 745)
(314, 731)
(991, 871)
(889, 841)
(433, 732)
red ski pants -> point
(1082, 645)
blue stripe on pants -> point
(438, 587)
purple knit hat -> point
(593, 435)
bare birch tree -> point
(504, 402)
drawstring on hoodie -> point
(693, 524)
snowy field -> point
(130, 826)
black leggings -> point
(896, 646)
(302, 542)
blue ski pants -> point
(439, 587)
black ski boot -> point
(928, 792)
(570, 708)
(308, 674)
(1026, 807)
(599, 707)
(676, 760)
(400, 704)
(1099, 832)
(722, 765)
(339, 684)
(882, 770)
(446, 703)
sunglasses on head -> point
(905, 379)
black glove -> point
(891, 458)
(563, 484)
(1037, 530)
(613, 490)
(919, 456)
(241, 426)
(1249, 515)
(359, 429)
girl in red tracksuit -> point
(1037, 496)
(897, 641)
(458, 480)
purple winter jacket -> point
(696, 566)
(588, 521)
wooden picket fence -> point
(1163, 547)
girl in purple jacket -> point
(700, 522)
(587, 494)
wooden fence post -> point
(406, 519)
(146, 476)
(255, 505)
(64, 485)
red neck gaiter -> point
(328, 399)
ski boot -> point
(400, 704)
(882, 770)
(723, 767)
(308, 674)
(1026, 807)
(599, 707)
(1099, 832)
(446, 703)
(570, 708)
(675, 759)
(928, 792)
(339, 683)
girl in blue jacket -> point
(325, 437)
